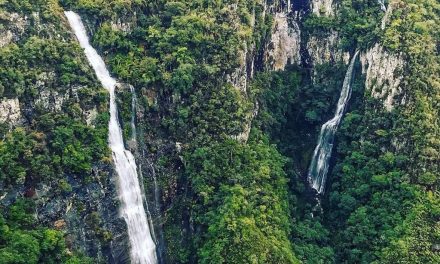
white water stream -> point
(143, 249)
(382, 5)
(321, 156)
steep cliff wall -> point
(54, 113)
(284, 46)
(289, 43)
(384, 73)
(202, 122)
(323, 7)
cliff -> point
(221, 104)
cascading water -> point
(158, 240)
(133, 113)
(143, 249)
(382, 5)
(320, 162)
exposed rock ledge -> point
(284, 47)
(383, 72)
(322, 7)
(10, 111)
(325, 49)
(15, 27)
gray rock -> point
(383, 72)
(10, 112)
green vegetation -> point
(55, 143)
(50, 10)
(224, 198)
(22, 241)
(180, 52)
(356, 21)
(359, 23)
(241, 200)
(370, 193)
(292, 110)
(384, 196)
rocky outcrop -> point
(54, 99)
(15, 27)
(383, 72)
(322, 7)
(10, 111)
(90, 116)
(87, 213)
(49, 99)
(244, 136)
(285, 43)
(239, 77)
(6, 38)
(121, 25)
(325, 49)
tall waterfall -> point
(143, 249)
(320, 162)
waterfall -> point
(156, 208)
(133, 113)
(382, 5)
(321, 156)
(143, 249)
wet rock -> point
(388, 12)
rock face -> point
(86, 209)
(239, 77)
(121, 25)
(88, 214)
(16, 25)
(383, 74)
(392, 5)
(244, 136)
(10, 111)
(49, 98)
(325, 49)
(322, 7)
(285, 43)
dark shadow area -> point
(299, 5)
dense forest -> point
(221, 103)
